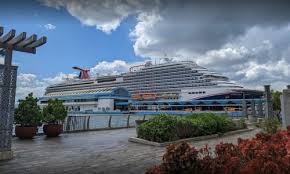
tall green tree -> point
(276, 100)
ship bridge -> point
(90, 100)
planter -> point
(52, 130)
(25, 132)
(193, 139)
(138, 123)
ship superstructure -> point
(181, 81)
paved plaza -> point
(90, 152)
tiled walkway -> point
(89, 152)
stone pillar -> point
(285, 107)
(268, 103)
(8, 76)
(244, 108)
(252, 116)
(260, 109)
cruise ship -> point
(183, 81)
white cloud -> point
(248, 42)
(104, 15)
(27, 83)
(49, 27)
(111, 68)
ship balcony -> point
(75, 103)
(80, 103)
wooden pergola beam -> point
(21, 37)
(17, 48)
(37, 43)
(20, 43)
(8, 36)
(27, 41)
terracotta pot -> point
(25, 132)
(52, 130)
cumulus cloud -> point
(259, 57)
(27, 83)
(111, 68)
(246, 40)
(49, 27)
(197, 27)
(104, 15)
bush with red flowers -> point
(264, 154)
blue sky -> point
(69, 44)
(109, 36)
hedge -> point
(264, 154)
(163, 128)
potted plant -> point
(27, 117)
(53, 115)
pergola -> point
(8, 74)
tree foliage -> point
(54, 112)
(28, 113)
(163, 128)
(276, 100)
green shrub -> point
(164, 128)
(159, 129)
(241, 124)
(54, 112)
(270, 125)
(210, 123)
(28, 113)
(224, 124)
(185, 128)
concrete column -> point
(285, 107)
(7, 97)
(260, 109)
(268, 103)
(252, 116)
(244, 108)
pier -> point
(95, 152)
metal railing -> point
(85, 122)
(76, 122)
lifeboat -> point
(168, 96)
(149, 96)
(137, 97)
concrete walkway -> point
(90, 152)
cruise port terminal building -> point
(91, 100)
(120, 99)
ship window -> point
(200, 92)
(203, 92)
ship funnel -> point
(84, 73)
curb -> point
(200, 138)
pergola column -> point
(268, 103)
(8, 76)
(7, 96)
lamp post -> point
(8, 74)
